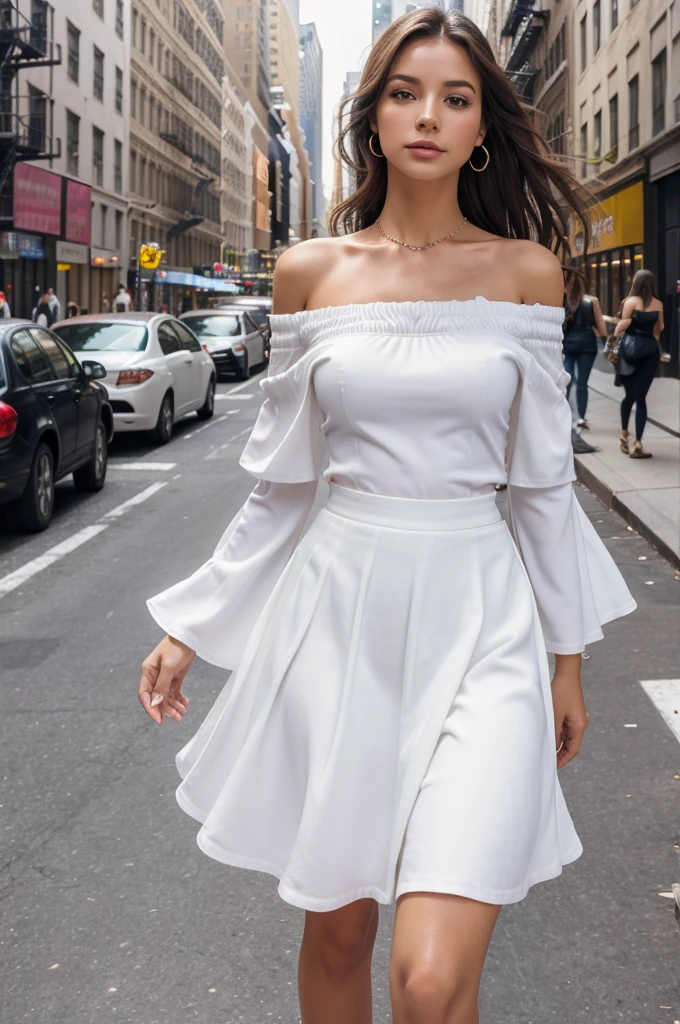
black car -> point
(55, 419)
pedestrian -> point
(42, 314)
(639, 354)
(5, 311)
(123, 300)
(55, 305)
(72, 309)
(391, 732)
(579, 346)
(106, 304)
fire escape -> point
(525, 26)
(23, 119)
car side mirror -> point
(93, 370)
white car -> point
(231, 336)
(156, 370)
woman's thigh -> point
(644, 375)
(439, 947)
(584, 366)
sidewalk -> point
(645, 492)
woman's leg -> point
(438, 952)
(334, 972)
(627, 400)
(585, 364)
(644, 375)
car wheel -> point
(92, 475)
(33, 512)
(162, 432)
(244, 372)
(208, 407)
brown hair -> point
(518, 196)
(645, 287)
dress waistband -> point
(414, 513)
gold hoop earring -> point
(370, 146)
(480, 169)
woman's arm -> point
(600, 325)
(659, 325)
(626, 316)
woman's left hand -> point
(571, 717)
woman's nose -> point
(427, 120)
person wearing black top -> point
(641, 315)
(579, 347)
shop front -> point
(104, 279)
(616, 248)
(73, 261)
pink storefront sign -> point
(37, 200)
(78, 223)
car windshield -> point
(214, 326)
(104, 337)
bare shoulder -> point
(299, 269)
(538, 273)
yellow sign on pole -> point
(150, 256)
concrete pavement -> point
(646, 492)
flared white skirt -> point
(390, 726)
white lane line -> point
(25, 572)
(233, 398)
(665, 696)
(214, 454)
(155, 467)
(232, 412)
(218, 419)
(241, 387)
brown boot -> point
(639, 452)
(623, 442)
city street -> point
(110, 910)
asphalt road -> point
(110, 912)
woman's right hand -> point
(163, 673)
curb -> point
(610, 499)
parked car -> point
(55, 419)
(231, 336)
(259, 307)
(156, 370)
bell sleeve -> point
(576, 583)
(214, 610)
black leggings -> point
(636, 386)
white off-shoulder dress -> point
(388, 726)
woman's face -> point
(432, 94)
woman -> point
(641, 314)
(42, 314)
(391, 732)
(580, 341)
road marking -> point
(665, 695)
(218, 419)
(156, 467)
(25, 572)
(233, 398)
(246, 384)
(214, 454)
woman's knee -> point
(434, 993)
(343, 938)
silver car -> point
(231, 336)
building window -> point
(133, 98)
(72, 143)
(119, 230)
(596, 27)
(133, 171)
(615, 14)
(98, 79)
(614, 125)
(73, 48)
(119, 18)
(135, 25)
(634, 113)
(119, 91)
(584, 27)
(597, 135)
(142, 37)
(142, 105)
(659, 93)
(152, 45)
(98, 8)
(118, 166)
(97, 156)
(584, 149)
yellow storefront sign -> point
(614, 222)
(63, 266)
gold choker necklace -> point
(418, 248)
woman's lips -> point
(424, 152)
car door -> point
(253, 340)
(179, 363)
(89, 402)
(200, 366)
(62, 395)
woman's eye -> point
(460, 101)
(401, 94)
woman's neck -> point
(419, 212)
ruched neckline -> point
(422, 316)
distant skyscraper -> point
(382, 17)
(387, 11)
(311, 77)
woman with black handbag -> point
(579, 347)
(639, 352)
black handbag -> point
(635, 347)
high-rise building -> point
(385, 12)
(284, 51)
(176, 71)
(311, 76)
(237, 171)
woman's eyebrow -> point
(456, 83)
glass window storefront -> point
(610, 275)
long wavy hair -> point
(525, 192)
(645, 286)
